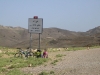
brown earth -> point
(81, 62)
(15, 37)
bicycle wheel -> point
(30, 54)
(18, 55)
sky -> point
(73, 15)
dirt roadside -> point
(81, 62)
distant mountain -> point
(51, 37)
(94, 30)
(10, 27)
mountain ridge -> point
(51, 37)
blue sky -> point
(73, 15)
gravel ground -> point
(82, 62)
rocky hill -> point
(94, 30)
(51, 37)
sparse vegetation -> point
(76, 48)
(9, 64)
(19, 63)
(54, 62)
(59, 55)
(52, 72)
(55, 39)
(0, 55)
(15, 72)
(43, 73)
(47, 73)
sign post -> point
(35, 25)
(39, 41)
(30, 41)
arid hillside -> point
(51, 37)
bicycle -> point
(23, 53)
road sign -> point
(35, 25)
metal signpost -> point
(35, 25)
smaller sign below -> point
(35, 25)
